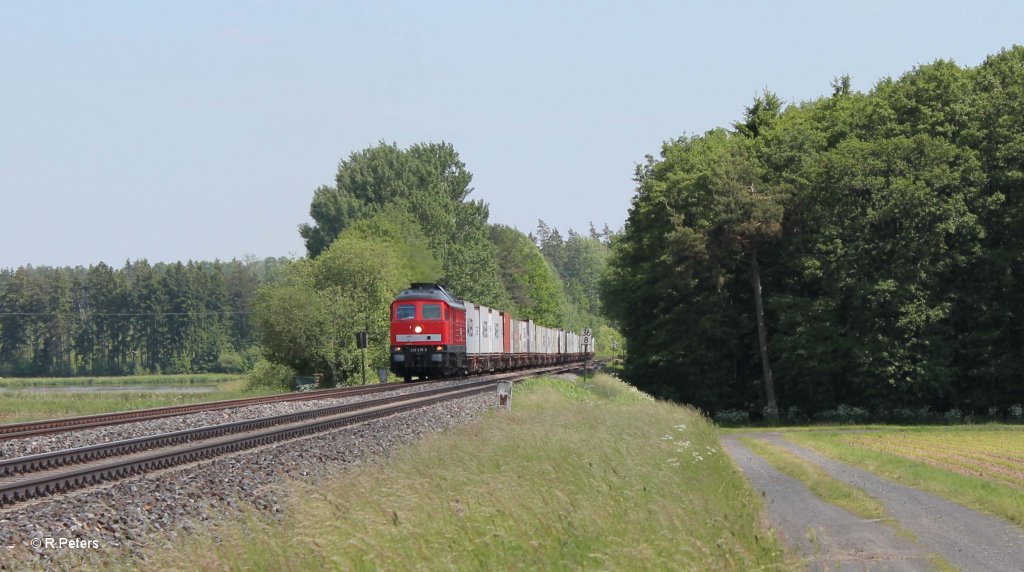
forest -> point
(140, 318)
(858, 252)
(393, 216)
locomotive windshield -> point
(405, 312)
(431, 311)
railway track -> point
(30, 428)
(23, 478)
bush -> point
(1016, 411)
(269, 375)
(795, 415)
(230, 361)
(250, 356)
(845, 414)
(953, 416)
(911, 415)
(732, 417)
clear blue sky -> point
(199, 130)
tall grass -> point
(577, 476)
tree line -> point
(171, 318)
(860, 249)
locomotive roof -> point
(426, 291)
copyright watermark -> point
(60, 543)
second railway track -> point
(43, 474)
(48, 426)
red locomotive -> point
(434, 334)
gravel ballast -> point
(96, 435)
(121, 519)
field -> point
(46, 398)
(981, 467)
(170, 379)
(577, 476)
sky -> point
(199, 130)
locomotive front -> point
(428, 333)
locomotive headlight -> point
(418, 329)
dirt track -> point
(831, 538)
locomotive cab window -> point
(405, 312)
(431, 311)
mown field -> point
(47, 398)
(981, 467)
(594, 476)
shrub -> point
(795, 415)
(953, 416)
(230, 361)
(732, 417)
(911, 414)
(269, 375)
(845, 414)
(1016, 411)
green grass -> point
(972, 491)
(156, 379)
(20, 405)
(820, 483)
(577, 476)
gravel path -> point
(828, 537)
(83, 437)
(963, 537)
(126, 517)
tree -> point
(430, 182)
(308, 320)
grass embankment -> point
(943, 461)
(575, 477)
(25, 405)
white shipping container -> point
(472, 328)
(531, 337)
(515, 335)
(499, 332)
(485, 330)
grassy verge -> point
(19, 405)
(578, 476)
(976, 492)
(821, 484)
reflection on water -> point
(148, 388)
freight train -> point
(434, 334)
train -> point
(434, 334)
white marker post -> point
(586, 346)
(504, 396)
